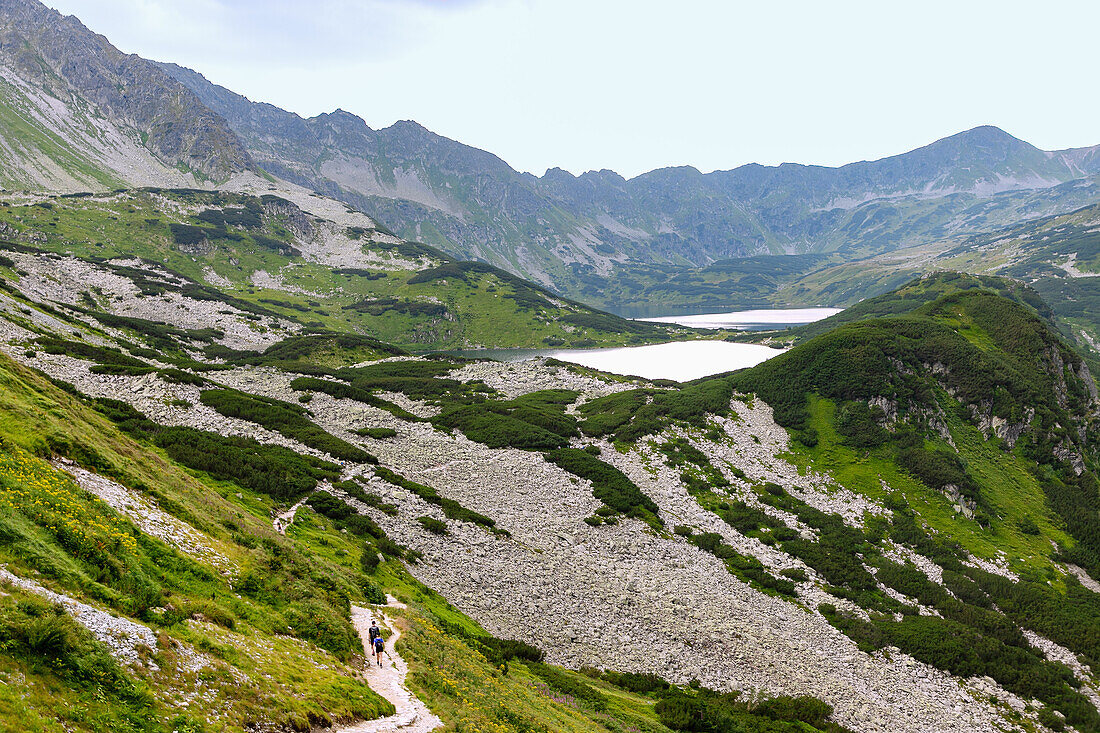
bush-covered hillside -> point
(252, 622)
(919, 293)
(266, 256)
(898, 380)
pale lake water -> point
(750, 320)
(679, 360)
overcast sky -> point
(633, 85)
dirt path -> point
(284, 520)
(412, 715)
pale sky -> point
(633, 85)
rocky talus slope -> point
(617, 596)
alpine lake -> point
(682, 361)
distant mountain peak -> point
(410, 125)
(983, 136)
(342, 113)
(557, 173)
(986, 130)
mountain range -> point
(580, 234)
(80, 115)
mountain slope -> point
(259, 268)
(204, 457)
(138, 596)
(80, 115)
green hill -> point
(968, 356)
(919, 293)
(973, 395)
(294, 272)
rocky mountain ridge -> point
(81, 97)
(80, 115)
(573, 232)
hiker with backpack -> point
(379, 648)
(374, 631)
(377, 645)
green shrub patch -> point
(433, 525)
(270, 469)
(631, 415)
(451, 508)
(344, 391)
(724, 712)
(535, 421)
(420, 380)
(283, 418)
(610, 485)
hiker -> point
(374, 631)
(379, 648)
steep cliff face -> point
(98, 115)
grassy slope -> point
(1007, 480)
(1012, 491)
(483, 307)
(913, 294)
(39, 419)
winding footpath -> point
(412, 715)
(283, 521)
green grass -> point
(80, 547)
(1011, 490)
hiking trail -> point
(412, 715)
(284, 520)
